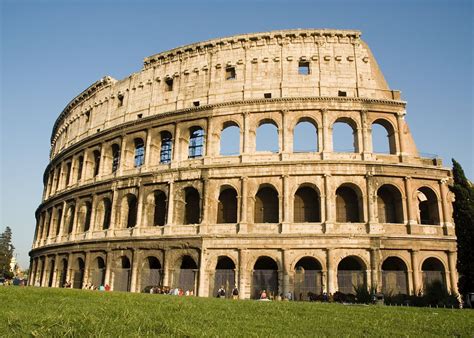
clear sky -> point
(52, 50)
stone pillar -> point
(208, 144)
(411, 211)
(201, 289)
(285, 136)
(375, 269)
(123, 157)
(446, 219)
(285, 203)
(401, 138)
(453, 274)
(417, 281)
(44, 275)
(55, 272)
(108, 269)
(69, 269)
(32, 274)
(134, 276)
(148, 149)
(244, 283)
(245, 138)
(166, 271)
(169, 216)
(92, 220)
(330, 219)
(331, 272)
(327, 137)
(366, 147)
(374, 226)
(87, 264)
(285, 287)
(205, 206)
(140, 210)
(244, 205)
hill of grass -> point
(32, 311)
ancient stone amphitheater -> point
(166, 177)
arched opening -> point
(122, 274)
(344, 136)
(59, 216)
(427, 206)
(265, 277)
(96, 155)
(306, 205)
(351, 274)
(433, 271)
(115, 157)
(98, 272)
(139, 157)
(166, 147)
(389, 204)
(267, 136)
(106, 210)
(196, 142)
(78, 279)
(383, 137)
(230, 139)
(159, 208)
(227, 206)
(70, 218)
(151, 273)
(347, 205)
(51, 272)
(185, 277)
(63, 273)
(266, 206)
(85, 213)
(305, 137)
(129, 211)
(308, 278)
(192, 212)
(394, 276)
(224, 275)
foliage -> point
(464, 219)
(6, 252)
(83, 313)
(435, 295)
(362, 294)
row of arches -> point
(308, 274)
(131, 152)
(349, 207)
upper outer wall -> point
(264, 63)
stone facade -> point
(138, 192)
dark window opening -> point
(70, 223)
(120, 100)
(87, 216)
(266, 206)
(303, 68)
(341, 93)
(68, 172)
(166, 147)
(115, 157)
(230, 73)
(267, 95)
(153, 263)
(58, 175)
(139, 116)
(347, 205)
(59, 216)
(306, 205)
(196, 103)
(389, 205)
(80, 165)
(196, 142)
(192, 213)
(88, 115)
(132, 211)
(227, 206)
(96, 162)
(428, 206)
(139, 152)
(159, 214)
(188, 263)
(169, 84)
(107, 205)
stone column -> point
(201, 289)
(330, 219)
(69, 269)
(246, 137)
(244, 283)
(123, 157)
(401, 138)
(375, 269)
(453, 274)
(331, 272)
(103, 157)
(286, 273)
(55, 272)
(87, 264)
(44, 275)
(169, 216)
(205, 206)
(166, 271)
(108, 268)
(285, 136)
(134, 276)
(366, 147)
(374, 226)
(446, 220)
(147, 149)
(417, 282)
(411, 211)
(140, 210)
(92, 220)
(208, 144)
(244, 205)
(285, 204)
(327, 137)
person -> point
(107, 287)
(221, 292)
(101, 287)
(263, 295)
(235, 293)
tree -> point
(6, 252)
(464, 219)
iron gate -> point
(264, 280)
(78, 279)
(394, 282)
(429, 277)
(150, 277)
(225, 278)
(122, 280)
(98, 277)
(347, 280)
(184, 279)
(307, 281)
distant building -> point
(138, 191)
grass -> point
(45, 312)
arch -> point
(96, 156)
(192, 208)
(230, 139)
(129, 210)
(348, 205)
(139, 156)
(389, 204)
(305, 136)
(97, 272)
(433, 271)
(196, 142)
(344, 135)
(394, 276)
(308, 278)
(306, 205)
(78, 279)
(122, 274)
(166, 146)
(84, 217)
(428, 211)
(59, 216)
(71, 210)
(227, 206)
(265, 277)
(115, 157)
(63, 273)
(104, 213)
(151, 274)
(156, 208)
(266, 205)
(351, 274)
(52, 267)
(267, 136)
(383, 137)
(185, 277)
(224, 275)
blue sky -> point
(52, 50)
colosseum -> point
(215, 165)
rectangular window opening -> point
(303, 68)
(196, 103)
(120, 100)
(341, 93)
(139, 116)
(169, 84)
(230, 73)
(267, 95)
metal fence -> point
(225, 278)
(184, 279)
(307, 281)
(394, 282)
(429, 277)
(264, 280)
(347, 280)
(97, 277)
(151, 277)
(121, 279)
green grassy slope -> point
(59, 312)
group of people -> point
(221, 293)
(263, 295)
(165, 290)
(88, 286)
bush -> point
(362, 294)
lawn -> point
(28, 311)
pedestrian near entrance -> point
(221, 292)
(235, 293)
